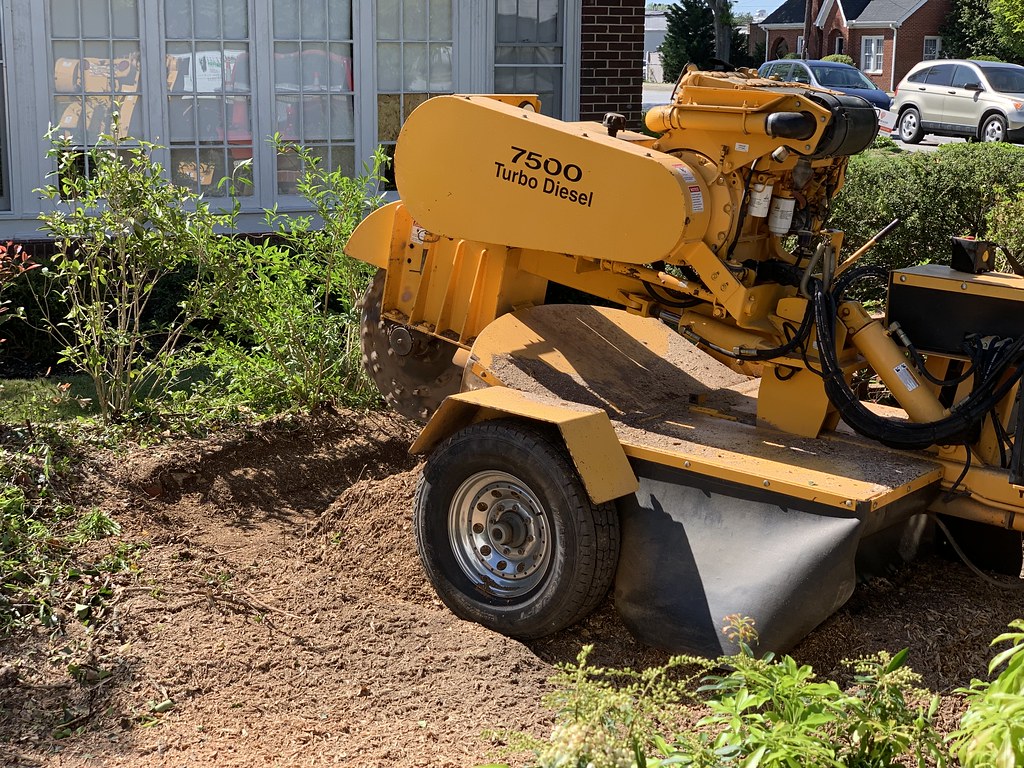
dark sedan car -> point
(827, 74)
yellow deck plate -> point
(672, 404)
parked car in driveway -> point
(833, 75)
(979, 100)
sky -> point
(753, 6)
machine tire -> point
(993, 128)
(507, 481)
(910, 126)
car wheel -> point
(910, 126)
(993, 128)
(507, 534)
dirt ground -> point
(280, 617)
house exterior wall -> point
(926, 22)
(611, 58)
(833, 28)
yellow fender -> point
(587, 432)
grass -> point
(47, 400)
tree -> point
(722, 10)
(689, 39)
(970, 31)
(1008, 17)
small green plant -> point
(745, 712)
(120, 231)
(991, 733)
(46, 577)
(841, 58)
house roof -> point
(879, 12)
(790, 12)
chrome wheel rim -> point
(993, 131)
(500, 534)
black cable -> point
(759, 355)
(743, 213)
(967, 561)
(679, 302)
(952, 493)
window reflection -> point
(96, 69)
(313, 85)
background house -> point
(885, 38)
(211, 80)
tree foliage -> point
(970, 31)
(1008, 17)
(690, 39)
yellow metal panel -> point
(371, 240)
(994, 285)
(474, 168)
(587, 432)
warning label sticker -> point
(696, 199)
(742, 147)
(906, 377)
(686, 173)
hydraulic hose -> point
(955, 428)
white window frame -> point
(872, 50)
(839, 45)
(25, 37)
(799, 45)
(937, 54)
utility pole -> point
(807, 29)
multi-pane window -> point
(209, 95)
(313, 85)
(932, 48)
(871, 54)
(414, 62)
(96, 56)
(529, 54)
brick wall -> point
(611, 59)
(910, 38)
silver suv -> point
(980, 100)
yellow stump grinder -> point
(697, 437)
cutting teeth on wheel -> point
(414, 384)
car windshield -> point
(1005, 79)
(841, 77)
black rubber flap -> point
(692, 556)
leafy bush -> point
(841, 58)
(991, 731)
(120, 231)
(289, 329)
(935, 195)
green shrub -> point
(991, 733)
(759, 712)
(289, 330)
(935, 195)
(120, 231)
(1006, 223)
(841, 58)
